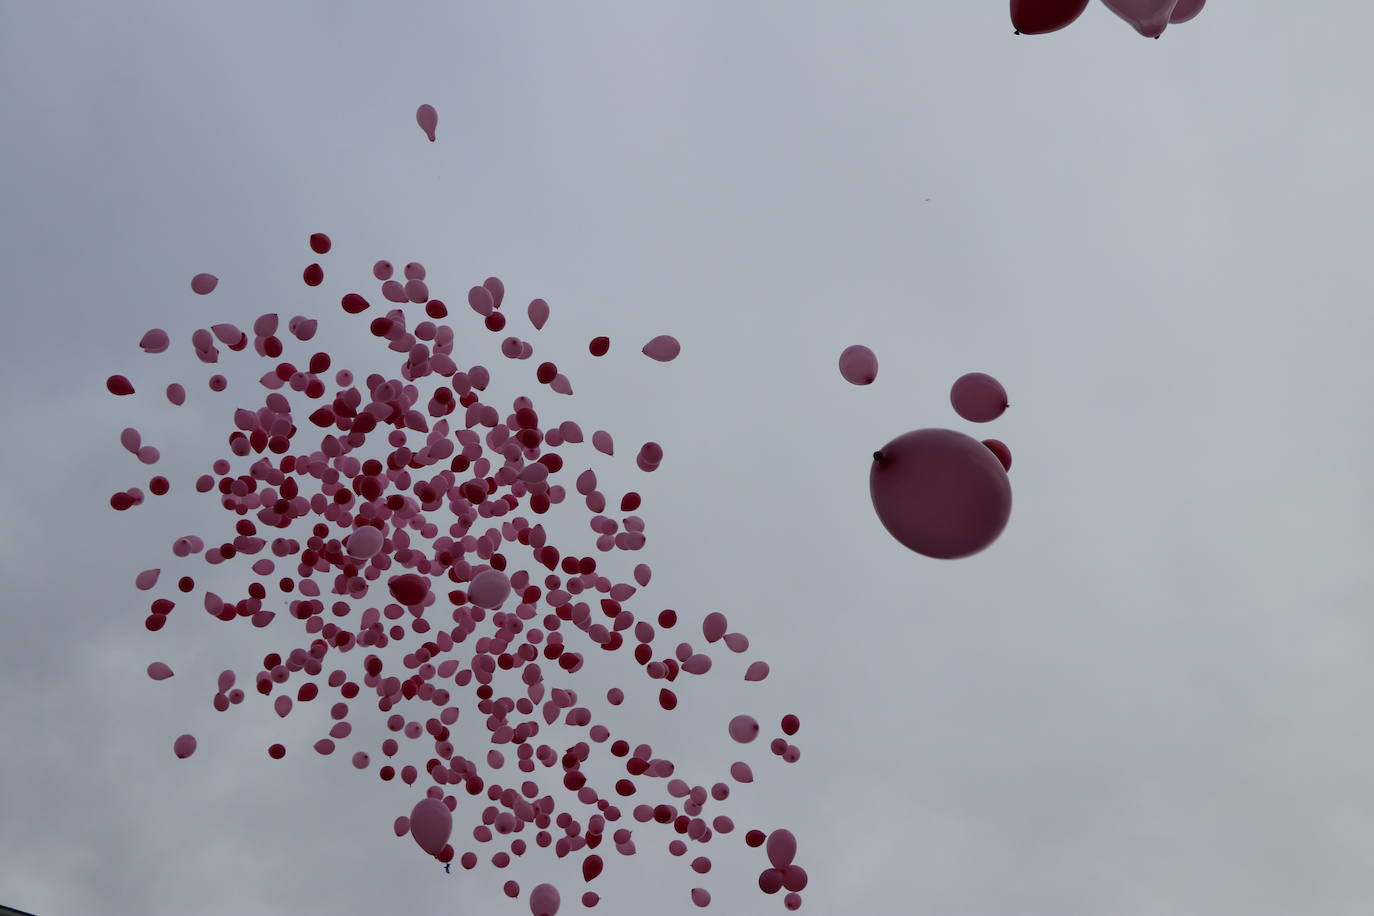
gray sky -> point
(1148, 698)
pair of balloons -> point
(1148, 17)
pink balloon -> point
(401, 825)
(204, 284)
(858, 365)
(756, 672)
(714, 626)
(940, 493)
(428, 119)
(538, 312)
(782, 848)
(741, 772)
(489, 589)
(701, 896)
(978, 397)
(184, 746)
(663, 348)
(744, 728)
(1186, 10)
(146, 579)
(365, 542)
(176, 394)
(792, 902)
(544, 900)
(159, 671)
(736, 642)
(430, 824)
(1148, 17)
(155, 341)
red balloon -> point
(1036, 17)
(978, 397)
(999, 448)
(940, 493)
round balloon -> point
(978, 397)
(940, 493)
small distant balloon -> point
(159, 671)
(858, 365)
(204, 284)
(978, 397)
(184, 746)
(428, 119)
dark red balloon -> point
(940, 493)
(1036, 17)
(978, 397)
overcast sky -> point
(1149, 698)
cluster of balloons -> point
(425, 532)
(1148, 17)
(939, 492)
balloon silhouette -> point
(1036, 17)
(428, 119)
(1148, 17)
(999, 448)
(978, 397)
(940, 493)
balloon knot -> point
(879, 457)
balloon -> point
(1148, 17)
(999, 448)
(430, 824)
(204, 284)
(155, 341)
(320, 243)
(978, 397)
(1036, 17)
(184, 746)
(701, 896)
(365, 542)
(744, 728)
(782, 848)
(544, 900)
(858, 365)
(757, 671)
(489, 588)
(940, 493)
(663, 348)
(428, 119)
(538, 312)
(1186, 10)
(713, 626)
(159, 671)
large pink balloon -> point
(978, 397)
(489, 588)
(1185, 10)
(431, 823)
(782, 848)
(940, 493)
(1148, 17)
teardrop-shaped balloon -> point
(1036, 17)
(940, 493)
(159, 671)
(430, 824)
(858, 365)
(1186, 10)
(544, 900)
(204, 284)
(782, 848)
(428, 119)
(538, 312)
(663, 348)
(1148, 17)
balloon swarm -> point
(426, 498)
(1148, 17)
